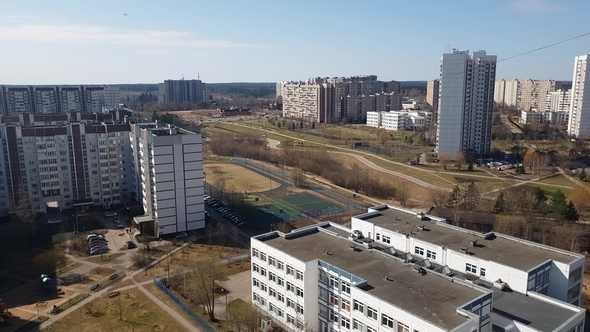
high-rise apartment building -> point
(560, 100)
(466, 103)
(432, 92)
(169, 164)
(101, 159)
(524, 95)
(330, 100)
(579, 121)
(182, 91)
(56, 99)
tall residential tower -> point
(466, 103)
(579, 122)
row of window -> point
(335, 282)
(297, 274)
(429, 253)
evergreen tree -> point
(582, 175)
(470, 167)
(499, 204)
(455, 195)
(570, 213)
(559, 203)
(540, 194)
(155, 116)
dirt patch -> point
(237, 178)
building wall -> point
(579, 121)
(322, 299)
(466, 103)
(432, 89)
(182, 91)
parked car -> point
(120, 224)
(131, 245)
(53, 221)
(91, 236)
(97, 240)
(110, 214)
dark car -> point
(131, 245)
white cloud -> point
(536, 6)
(87, 34)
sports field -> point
(307, 202)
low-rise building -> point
(542, 117)
(327, 277)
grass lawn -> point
(549, 190)
(69, 267)
(102, 314)
(237, 178)
(558, 180)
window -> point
(334, 281)
(281, 297)
(470, 268)
(280, 281)
(370, 329)
(346, 305)
(371, 313)
(345, 287)
(290, 270)
(482, 272)
(263, 271)
(431, 254)
(356, 325)
(419, 251)
(290, 303)
(323, 277)
(378, 236)
(256, 268)
(358, 306)
(263, 286)
(279, 265)
(299, 275)
(402, 327)
(272, 277)
(386, 239)
(255, 252)
(334, 299)
(272, 292)
(323, 294)
(333, 316)
(255, 282)
(299, 292)
(272, 261)
(345, 323)
(290, 319)
(323, 311)
(290, 287)
(387, 321)
(299, 309)
(263, 256)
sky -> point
(116, 42)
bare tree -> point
(566, 236)
(402, 192)
(284, 227)
(49, 261)
(22, 215)
(438, 197)
(202, 284)
(509, 225)
(298, 177)
(445, 159)
(242, 316)
(460, 160)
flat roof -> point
(530, 311)
(432, 297)
(519, 254)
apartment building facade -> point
(168, 162)
(432, 93)
(102, 159)
(331, 100)
(524, 94)
(327, 277)
(182, 91)
(579, 121)
(466, 103)
(56, 99)
(559, 100)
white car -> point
(109, 214)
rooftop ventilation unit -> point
(474, 243)
(447, 271)
(422, 227)
(465, 250)
(329, 253)
(388, 278)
